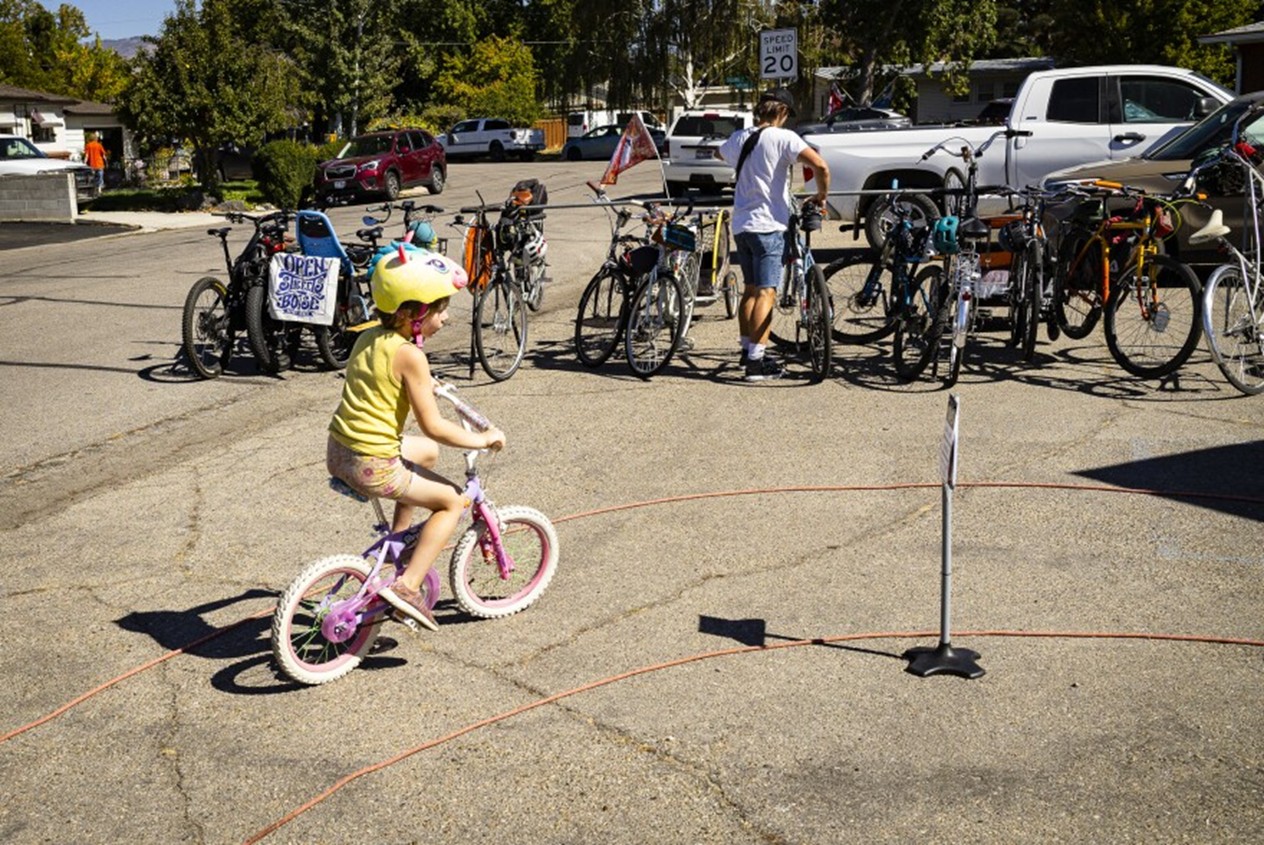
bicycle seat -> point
(316, 237)
(1214, 230)
(342, 488)
(643, 259)
(220, 233)
(974, 229)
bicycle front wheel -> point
(655, 324)
(500, 328)
(1152, 322)
(1077, 299)
(266, 336)
(599, 322)
(1028, 287)
(1233, 319)
(308, 646)
(861, 291)
(918, 329)
(819, 318)
(208, 338)
(529, 540)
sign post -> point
(944, 659)
(779, 54)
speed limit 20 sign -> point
(779, 54)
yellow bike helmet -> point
(413, 275)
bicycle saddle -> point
(643, 259)
(974, 229)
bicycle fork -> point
(489, 544)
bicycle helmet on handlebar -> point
(407, 274)
(945, 235)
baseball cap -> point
(780, 95)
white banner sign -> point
(303, 288)
(948, 451)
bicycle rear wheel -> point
(531, 543)
(599, 321)
(819, 318)
(1029, 283)
(655, 324)
(1077, 299)
(500, 328)
(1152, 323)
(918, 329)
(1233, 319)
(207, 334)
(956, 323)
(861, 290)
(308, 646)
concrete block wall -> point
(43, 197)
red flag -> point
(835, 99)
(635, 146)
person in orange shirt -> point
(94, 155)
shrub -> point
(284, 171)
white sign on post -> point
(779, 54)
(948, 451)
(303, 288)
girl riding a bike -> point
(388, 375)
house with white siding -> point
(59, 125)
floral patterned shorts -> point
(378, 478)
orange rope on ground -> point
(707, 655)
(831, 488)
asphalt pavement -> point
(720, 658)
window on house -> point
(43, 134)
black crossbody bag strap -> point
(746, 151)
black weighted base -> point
(943, 660)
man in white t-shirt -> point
(761, 213)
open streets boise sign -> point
(303, 288)
(779, 54)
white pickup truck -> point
(491, 136)
(1067, 116)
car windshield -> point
(15, 148)
(707, 124)
(1213, 131)
(367, 145)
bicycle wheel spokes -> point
(1234, 323)
(860, 289)
(819, 317)
(206, 335)
(918, 328)
(530, 541)
(598, 322)
(655, 324)
(500, 328)
(1152, 323)
(301, 640)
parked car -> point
(600, 143)
(19, 156)
(690, 150)
(855, 119)
(382, 163)
(1164, 168)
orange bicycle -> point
(1110, 265)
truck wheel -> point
(391, 186)
(573, 154)
(879, 218)
(497, 151)
(677, 189)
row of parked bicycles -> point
(1064, 259)
(505, 256)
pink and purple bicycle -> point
(330, 615)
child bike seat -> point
(316, 237)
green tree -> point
(496, 77)
(1155, 31)
(202, 82)
(46, 51)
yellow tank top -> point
(370, 418)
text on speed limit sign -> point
(779, 54)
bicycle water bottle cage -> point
(945, 235)
(643, 259)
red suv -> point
(382, 163)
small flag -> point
(635, 146)
(836, 101)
